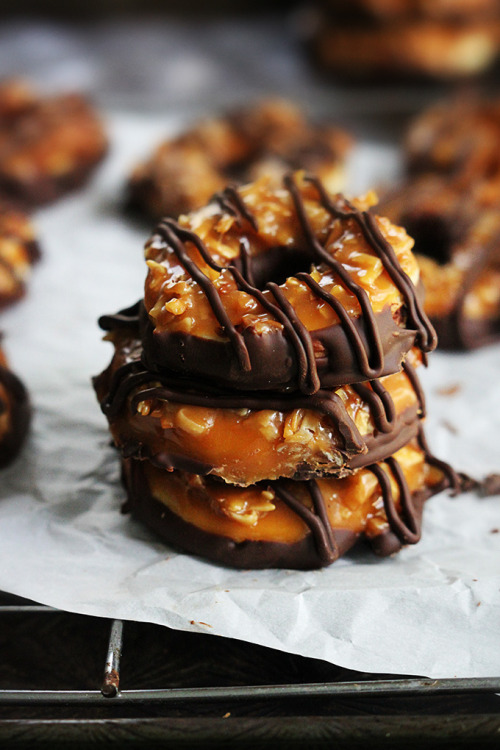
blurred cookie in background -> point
(395, 39)
(268, 138)
(15, 413)
(49, 145)
(19, 249)
(457, 244)
(449, 201)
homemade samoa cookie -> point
(15, 413)
(392, 10)
(457, 137)
(281, 288)
(448, 201)
(286, 524)
(244, 438)
(390, 39)
(269, 137)
(457, 236)
(19, 249)
(48, 145)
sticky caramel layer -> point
(354, 503)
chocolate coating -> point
(20, 416)
(273, 358)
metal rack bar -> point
(111, 683)
(378, 688)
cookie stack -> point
(263, 393)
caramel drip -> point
(327, 403)
(426, 336)
(133, 374)
(317, 521)
(405, 527)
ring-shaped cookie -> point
(281, 289)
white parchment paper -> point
(432, 610)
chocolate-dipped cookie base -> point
(319, 545)
(15, 409)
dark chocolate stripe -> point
(370, 371)
(451, 476)
(321, 511)
(410, 530)
(360, 294)
(231, 201)
(308, 373)
(246, 263)
(126, 318)
(129, 376)
(281, 316)
(380, 403)
(404, 533)
(426, 336)
(322, 538)
(173, 234)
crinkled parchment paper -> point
(432, 610)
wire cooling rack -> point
(67, 672)
(110, 685)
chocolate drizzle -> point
(426, 336)
(370, 356)
(451, 476)
(231, 202)
(404, 526)
(317, 520)
(175, 237)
